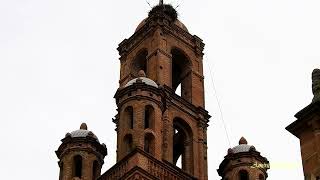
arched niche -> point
(149, 143)
(128, 117)
(128, 143)
(95, 170)
(149, 117)
(183, 144)
(139, 62)
(181, 73)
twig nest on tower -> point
(166, 9)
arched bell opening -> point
(139, 63)
(181, 74)
(77, 166)
(182, 145)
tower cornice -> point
(304, 118)
(161, 21)
(121, 92)
(198, 113)
(71, 144)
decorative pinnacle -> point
(243, 141)
(316, 85)
(160, 2)
(84, 126)
(141, 73)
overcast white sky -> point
(59, 67)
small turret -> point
(81, 155)
(243, 162)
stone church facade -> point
(157, 128)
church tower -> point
(81, 155)
(161, 134)
(307, 129)
(244, 162)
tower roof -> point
(82, 136)
(177, 22)
(242, 147)
(83, 132)
(142, 79)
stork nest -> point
(166, 9)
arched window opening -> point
(95, 170)
(261, 177)
(129, 117)
(77, 166)
(149, 143)
(61, 171)
(182, 145)
(128, 143)
(181, 76)
(139, 63)
(243, 175)
(148, 117)
(179, 139)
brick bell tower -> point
(157, 128)
(307, 129)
